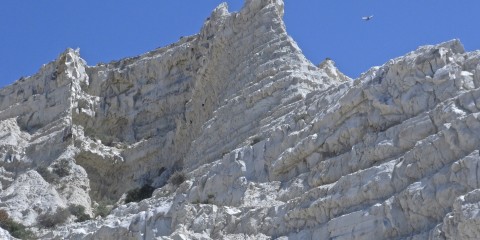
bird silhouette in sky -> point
(367, 18)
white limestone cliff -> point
(271, 145)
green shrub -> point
(102, 209)
(83, 218)
(177, 178)
(255, 140)
(15, 229)
(62, 168)
(76, 210)
(79, 212)
(138, 194)
(51, 220)
(46, 174)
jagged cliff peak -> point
(233, 134)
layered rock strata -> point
(271, 146)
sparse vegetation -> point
(138, 194)
(102, 209)
(46, 174)
(59, 170)
(15, 229)
(79, 212)
(255, 140)
(51, 220)
(177, 178)
(62, 168)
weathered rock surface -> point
(271, 145)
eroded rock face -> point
(271, 145)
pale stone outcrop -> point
(271, 145)
(5, 235)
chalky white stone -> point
(272, 146)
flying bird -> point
(367, 18)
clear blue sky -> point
(34, 32)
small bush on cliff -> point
(51, 220)
(102, 209)
(59, 170)
(138, 194)
(177, 178)
(79, 212)
(15, 229)
(255, 140)
(46, 174)
(62, 168)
